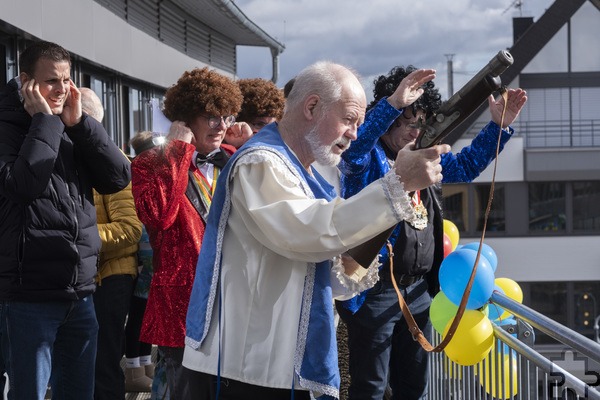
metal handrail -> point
(550, 327)
(556, 372)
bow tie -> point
(218, 159)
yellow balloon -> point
(499, 379)
(452, 231)
(473, 339)
(512, 290)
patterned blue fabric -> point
(142, 286)
(365, 161)
(317, 368)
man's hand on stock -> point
(419, 169)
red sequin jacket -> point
(160, 179)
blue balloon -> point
(486, 251)
(454, 275)
(494, 310)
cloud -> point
(374, 36)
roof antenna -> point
(515, 4)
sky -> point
(375, 35)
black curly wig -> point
(385, 85)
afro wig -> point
(202, 91)
(261, 99)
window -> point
(465, 206)
(455, 205)
(103, 86)
(136, 112)
(547, 207)
(561, 117)
(586, 213)
(573, 304)
(585, 305)
(550, 299)
(8, 63)
(496, 217)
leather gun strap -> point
(412, 324)
(414, 329)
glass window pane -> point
(586, 124)
(547, 207)
(586, 212)
(586, 307)
(496, 219)
(135, 110)
(455, 204)
(546, 116)
(549, 299)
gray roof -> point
(225, 16)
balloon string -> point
(412, 325)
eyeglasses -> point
(214, 122)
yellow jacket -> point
(120, 232)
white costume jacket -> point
(269, 267)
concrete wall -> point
(510, 163)
(555, 258)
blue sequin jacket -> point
(365, 161)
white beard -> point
(323, 153)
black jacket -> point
(49, 240)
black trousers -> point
(133, 346)
(204, 386)
(111, 301)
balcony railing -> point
(554, 133)
(517, 370)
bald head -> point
(323, 111)
(91, 104)
(325, 79)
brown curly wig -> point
(261, 99)
(202, 91)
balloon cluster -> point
(473, 340)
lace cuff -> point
(398, 197)
(359, 281)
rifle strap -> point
(412, 324)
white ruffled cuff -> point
(347, 286)
(398, 197)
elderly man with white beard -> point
(260, 319)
